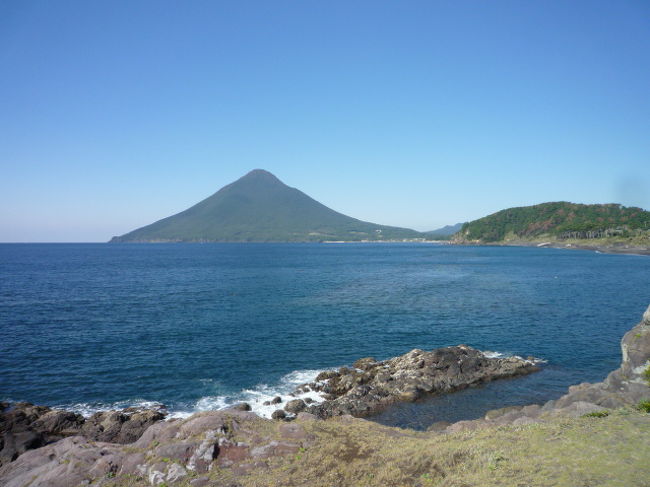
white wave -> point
(490, 354)
(255, 397)
(531, 360)
(258, 395)
(88, 409)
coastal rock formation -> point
(372, 385)
(169, 452)
(24, 426)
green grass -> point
(596, 414)
(644, 406)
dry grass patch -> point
(608, 451)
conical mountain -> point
(260, 208)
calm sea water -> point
(93, 326)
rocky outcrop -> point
(169, 452)
(124, 426)
(24, 426)
(371, 385)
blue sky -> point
(415, 113)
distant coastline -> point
(624, 249)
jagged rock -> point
(366, 363)
(325, 375)
(124, 426)
(276, 400)
(371, 385)
(24, 426)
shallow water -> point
(200, 326)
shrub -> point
(644, 406)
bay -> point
(201, 326)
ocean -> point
(202, 326)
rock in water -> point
(373, 385)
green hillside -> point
(560, 220)
(260, 208)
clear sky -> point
(411, 113)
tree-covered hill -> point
(260, 208)
(561, 220)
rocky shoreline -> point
(371, 385)
(624, 249)
(44, 447)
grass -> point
(644, 406)
(596, 414)
(610, 451)
(576, 452)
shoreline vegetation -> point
(596, 434)
(608, 228)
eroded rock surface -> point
(24, 426)
(372, 385)
(170, 452)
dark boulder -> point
(242, 406)
(278, 414)
(295, 406)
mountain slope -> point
(260, 208)
(446, 231)
(560, 220)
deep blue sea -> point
(200, 326)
